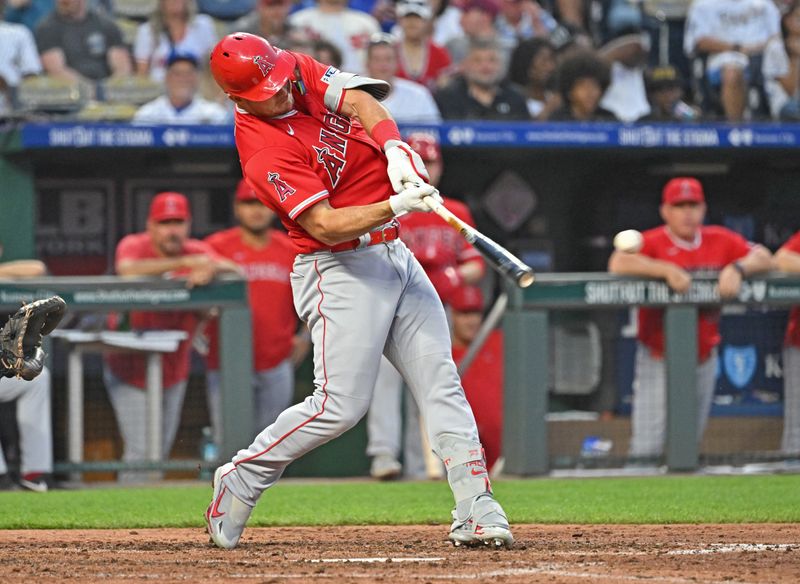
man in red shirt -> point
(316, 145)
(483, 380)
(787, 259)
(164, 249)
(266, 255)
(672, 252)
(450, 262)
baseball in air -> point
(628, 241)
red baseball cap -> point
(683, 190)
(169, 206)
(425, 145)
(467, 299)
(244, 192)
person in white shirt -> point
(781, 68)
(181, 104)
(626, 97)
(348, 29)
(731, 33)
(408, 102)
(18, 59)
(175, 26)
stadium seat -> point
(135, 9)
(96, 111)
(226, 9)
(128, 27)
(49, 95)
(130, 90)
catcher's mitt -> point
(21, 353)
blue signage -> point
(467, 134)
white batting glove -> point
(411, 199)
(404, 165)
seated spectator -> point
(665, 95)
(532, 70)
(781, 68)
(477, 24)
(582, 79)
(175, 26)
(181, 104)
(479, 92)
(408, 102)
(732, 37)
(33, 407)
(483, 379)
(421, 60)
(77, 43)
(268, 20)
(28, 13)
(348, 29)
(18, 59)
(521, 20)
(326, 53)
(626, 96)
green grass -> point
(677, 499)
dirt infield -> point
(674, 554)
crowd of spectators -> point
(538, 60)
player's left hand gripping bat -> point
(495, 254)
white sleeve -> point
(340, 81)
(143, 45)
(776, 61)
(148, 114)
(29, 57)
(773, 23)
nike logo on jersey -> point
(289, 130)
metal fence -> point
(569, 332)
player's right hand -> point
(412, 199)
(679, 279)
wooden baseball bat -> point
(502, 260)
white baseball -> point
(628, 241)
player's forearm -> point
(152, 267)
(332, 226)
(22, 269)
(758, 260)
(635, 264)
(787, 261)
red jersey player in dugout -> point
(672, 252)
(316, 146)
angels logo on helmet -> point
(263, 64)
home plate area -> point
(602, 554)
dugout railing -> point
(103, 294)
(528, 325)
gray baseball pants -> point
(33, 419)
(273, 390)
(649, 413)
(358, 306)
(790, 444)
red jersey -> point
(483, 386)
(437, 61)
(130, 367)
(713, 249)
(310, 154)
(793, 325)
(271, 304)
(434, 243)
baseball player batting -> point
(316, 145)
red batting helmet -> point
(425, 145)
(246, 65)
